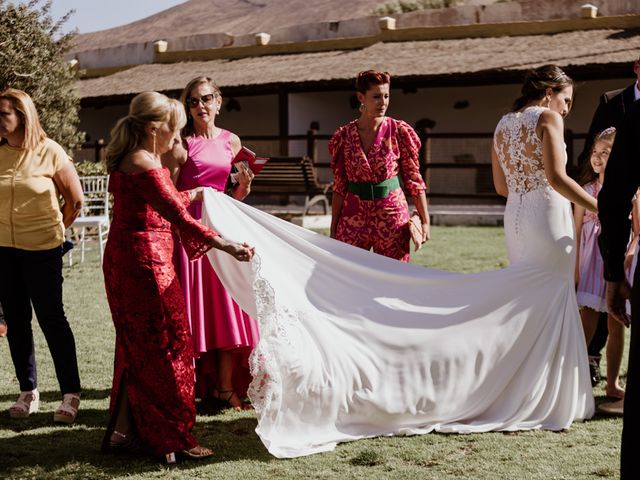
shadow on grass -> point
(59, 448)
(55, 396)
(87, 417)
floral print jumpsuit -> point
(380, 224)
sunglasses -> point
(205, 99)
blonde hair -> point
(129, 132)
(22, 103)
(188, 128)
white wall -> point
(486, 104)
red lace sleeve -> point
(409, 145)
(336, 150)
(157, 189)
(185, 198)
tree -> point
(32, 52)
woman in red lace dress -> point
(152, 398)
(370, 157)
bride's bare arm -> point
(551, 131)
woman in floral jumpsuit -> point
(371, 157)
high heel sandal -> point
(27, 403)
(220, 395)
(126, 443)
(66, 412)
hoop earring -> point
(362, 107)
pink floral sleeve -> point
(409, 144)
(336, 150)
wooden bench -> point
(292, 176)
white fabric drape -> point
(355, 345)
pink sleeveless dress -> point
(217, 322)
(591, 284)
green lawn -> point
(35, 448)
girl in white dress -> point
(355, 345)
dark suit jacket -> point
(621, 181)
(612, 108)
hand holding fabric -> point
(242, 253)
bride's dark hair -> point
(537, 81)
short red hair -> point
(369, 78)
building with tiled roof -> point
(284, 66)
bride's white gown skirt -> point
(355, 345)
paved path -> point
(440, 215)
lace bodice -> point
(519, 150)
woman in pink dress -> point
(371, 157)
(223, 334)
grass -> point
(35, 448)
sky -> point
(93, 15)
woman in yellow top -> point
(34, 170)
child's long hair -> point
(587, 173)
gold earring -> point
(362, 107)
(154, 143)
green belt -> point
(370, 191)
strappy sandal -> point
(66, 412)
(126, 443)
(196, 453)
(27, 403)
(244, 405)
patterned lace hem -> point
(264, 388)
(275, 321)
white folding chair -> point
(94, 217)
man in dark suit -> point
(621, 182)
(611, 110)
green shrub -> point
(403, 6)
(32, 51)
(86, 168)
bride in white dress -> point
(356, 345)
